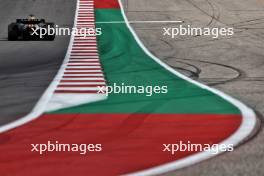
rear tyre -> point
(12, 32)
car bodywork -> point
(27, 29)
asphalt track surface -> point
(201, 66)
(233, 65)
(27, 68)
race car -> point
(29, 29)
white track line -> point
(82, 83)
(101, 75)
(84, 60)
(98, 71)
(131, 22)
(79, 88)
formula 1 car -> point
(29, 29)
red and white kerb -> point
(81, 76)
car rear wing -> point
(31, 21)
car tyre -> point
(12, 32)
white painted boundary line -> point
(41, 105)
(249, 119)
(140, 22)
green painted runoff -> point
(124, 62)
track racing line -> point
(132, 128)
